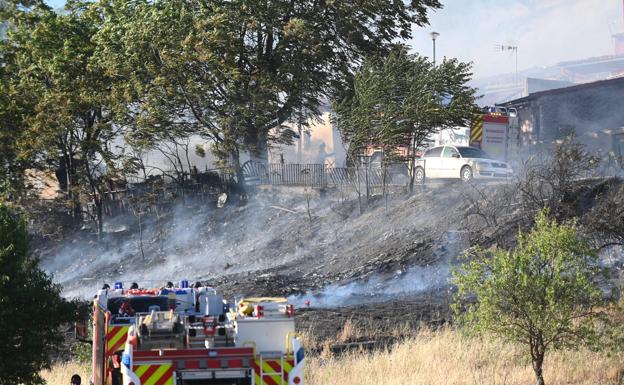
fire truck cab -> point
(182, 335)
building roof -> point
(564, 90)
(607, 63)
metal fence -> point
(319, 175)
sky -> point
(545, 31)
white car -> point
(465, 163)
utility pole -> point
(434, 36)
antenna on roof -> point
(514, 49)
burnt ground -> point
(268, 246)
(380, 324)
(382, 272)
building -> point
(593, 111)
(318, 143)
(506, 87)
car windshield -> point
(139, 304)
(471, 152)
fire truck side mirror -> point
(81, 331)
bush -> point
(31, 307)
(543, 294)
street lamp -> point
(434, 36)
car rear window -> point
(433, 153)
(471, 152)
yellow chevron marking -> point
(476, 134)
(476, 129)
(286, 366)
(162, 369)
(141, 369)
(119, 335)
(275, 377)
(267, 369)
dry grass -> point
(446, 357)
(439, 357)
(61, 373)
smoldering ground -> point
(293, 242)
(273, 231)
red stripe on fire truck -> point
(272, 371)
(160, 374)
(116, 338)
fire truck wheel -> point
(466, 174)
(419, 175)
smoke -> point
(416, 280)
(272, 232)
(193, 240)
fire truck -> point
(490, 132)
(189, 335)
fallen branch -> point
(284, 209)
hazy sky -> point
(545, 31)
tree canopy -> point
(32, 308)
(90, 89)
(236, 71)
(543, 294)
(82, 85)
(400, 100)
(56, 112)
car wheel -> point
(419, 175)
(466, 174)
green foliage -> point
(543, 293)
(400, 100)
(235, 72)
(31, 308)
(82, 84)
(57, 99)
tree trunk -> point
(74, 198)
(358, 188)
(100, 215)
(383, 184)
(538, 362)
(239, 188)
(412, 160)
(539, 375)
(261, 152)
(97, 197)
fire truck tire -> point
(419, 175)
(466, 174)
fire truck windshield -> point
(139, 304)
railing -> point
(319, 175)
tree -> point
(542, 294)
(32, 309)
(400, 100)
(236, 71)
(59, 97)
